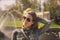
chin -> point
(26, 26)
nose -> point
(25, 21)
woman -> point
(30, 29)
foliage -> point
(53, 4)
(26, 3)
(12, 23)
(30, 4)
(54, 25)
(19, 23)
(35, 5)
(46, 6)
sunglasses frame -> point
(27, 19)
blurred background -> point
(11, 14)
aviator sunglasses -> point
(27, 19)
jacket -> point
(30, 33)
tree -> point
(46, 6)
(30, 4)
(52, 4)
(26, 4)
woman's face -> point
(27, 20)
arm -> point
(46, 24)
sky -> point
(58, 2)
(4, 3)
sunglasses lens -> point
(24, 17)
(28, 19)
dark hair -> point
(34, 16)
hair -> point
(34, 17)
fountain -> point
(43, 14)
(4, 28)
(3, 21)
(42, 6)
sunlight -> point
(5, 3)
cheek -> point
(23, 22)
(30, 23)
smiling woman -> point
(5, 3)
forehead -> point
(27, 15)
